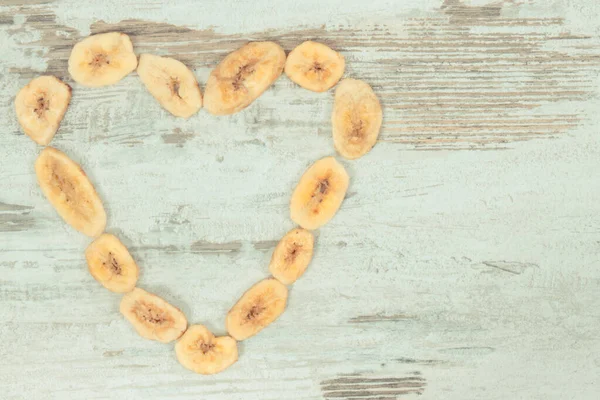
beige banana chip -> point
(315, 66)
(41, 106)
(242, 77)
(356, 118)
(110, 263)
(152, 317)
(292, 255)
(102, 59)
(200, 351)
(262, 304)
(69, 190)
(171, 83)
(319, 194)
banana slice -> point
(292, 255)
(102, 59)
(171, 83)
(356, 118)
(68, 189)
(40, 107)
(262, 304)
(243, 76)
(319, 194)
(111, 264)
(315, 66)
(200, 351)
(152, 317)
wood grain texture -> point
(450, 273)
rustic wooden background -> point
(464, 263)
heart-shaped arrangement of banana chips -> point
(240, 78)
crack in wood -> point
(513, 267)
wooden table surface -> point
(463, 264)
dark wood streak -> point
(367, 387)
(468, 350)
(443, 83)
(513, 267)
(381, 318)
(177, 137)
(415, 361)
(170, 248)
(202, 246)
(459, 11)
(113, 353)
(15, 222)
(7, 3)
(265, 245)
(5, 207)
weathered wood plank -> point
(446, 274)
(458, 77)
